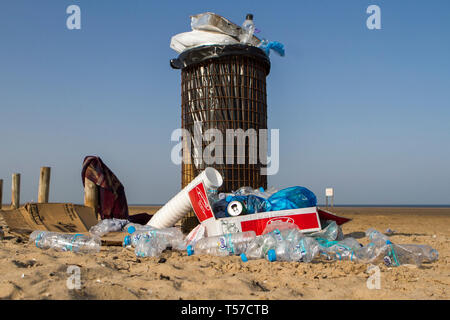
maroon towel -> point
(112, 199)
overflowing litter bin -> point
(224, 87)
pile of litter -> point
(247, 200)
(282, 241)
(212, 29)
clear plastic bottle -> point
(228, 244)
(150, 247)
(172, 237)
(264, 245)
(108, 225)
(376, 236)
(340, 250)
(248, 29)
(331, 232)
(304, 250)
(79, 243)
(133, 227)
(425, 253)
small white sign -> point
(329, 192)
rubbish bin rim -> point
(202, 53)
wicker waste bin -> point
(223, 87)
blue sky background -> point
(366, 112)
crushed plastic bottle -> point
(150, 246)
(338, 250)
(248, 29)
(376, 236)
(135, 227)
(78, 243)
(264, 245)
(168, 237)
(225, 245)
(425, 253)
(108, 225)
(332, 232)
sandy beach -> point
(116, 273)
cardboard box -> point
(307, 219)
(58, 217)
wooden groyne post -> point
(44, 185)
(15, 191)
(1, 193)
(91, 195)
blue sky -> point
(364, 111)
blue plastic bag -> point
(292, 198)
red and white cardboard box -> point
(307, 219)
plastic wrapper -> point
(209, 21)
(187, 40)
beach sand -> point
(27, 272)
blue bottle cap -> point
(131, 229)
(244, 257)
(126, 241)
(190, 250)
(388, 242)
(261, 189)
(271, 255)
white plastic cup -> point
(180, 205)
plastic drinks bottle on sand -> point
(66, 242)
(150, 247)
(133, 227)
(376, 236)
(248, 29)
(263, 245)
(168, 236)
(340, 250)
(425, 253)
(225, 245)
(304, 249)
(108, 225)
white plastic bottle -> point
(248, 29)
(66, 242)
(228, 244)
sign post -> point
(329, 193)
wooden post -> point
(15, 191)
(1, 193)
(44, 185)
(91, 195)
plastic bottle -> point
(331, 232)
(248, 28)
(108, 225)
(150, 247)
(376, 236)
(425, 253)
(168, 237)
(66, 242)
(304, 250)
(339, 250)
(263, 246)
(228, 244)
(135, 227)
